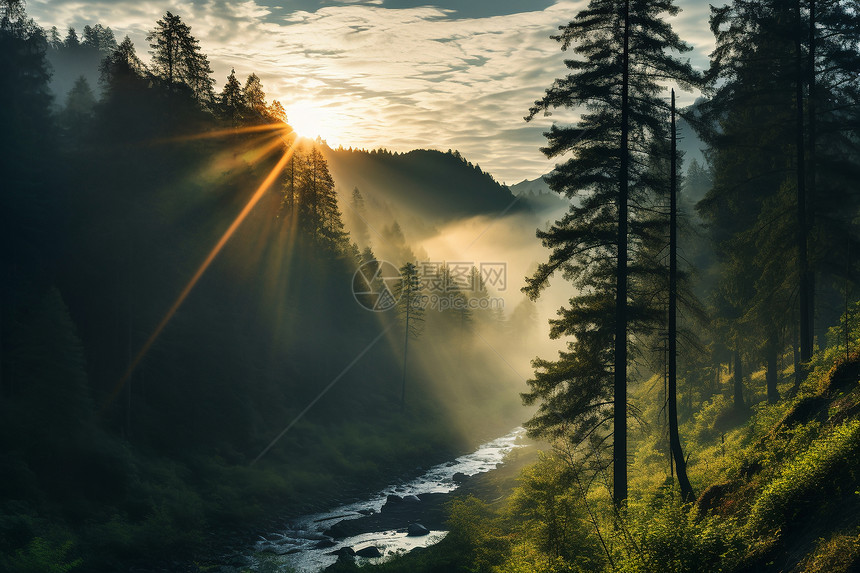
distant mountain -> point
(688, 141)
(438, 186)
(536, 186)
(536, 194)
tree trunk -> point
(798, 375)
(811, 111)
(2, 388)
(129, 335)
(738, 377)
(619, 425)
(847, 328)
(718, 370)
(802, 262)
(674, 436)
(772, 375)
(405, 354)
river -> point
(307, 545)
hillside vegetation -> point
(779, 492)
(439, 186)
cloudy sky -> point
(400, 74)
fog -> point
(504, 248)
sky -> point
(398, 74)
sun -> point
(309, 120)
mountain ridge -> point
(441, 186)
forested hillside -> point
(777, 491)
(439, 186)
(177, 289)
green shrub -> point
(711, 419)
(670, 538)
(476, 538)
(547, 515)
(41, 556)
(526, 557)
(824, 359)
(828, 464)
(839, 554)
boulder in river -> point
(392, 499)
(325, 543)
(417, 530)
(411, 499)
(348, 551)
(459, 478)
(345, 558)
(369, 551)
(338, 531)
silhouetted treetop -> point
(178, 59)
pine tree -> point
(72, 42)
(358, 219)
(623, 46)
(121, 65)
(255, 99)
(54, 39)
(277, 112)
(455, 314)
(178, 59)
(99, 38)
(315, 199)
(290, 189)
(750, 115)
(672, 382)
(411, 314)
(393, 246)
(90, 40)
(231, 103)
(78, 111)
(12, 12)
(698, 181)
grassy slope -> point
(793, 484)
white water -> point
(293, 548)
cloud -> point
(418, 78)
(402, 77)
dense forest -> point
(182, 355)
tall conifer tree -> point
(622, 48)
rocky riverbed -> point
(401, 517)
